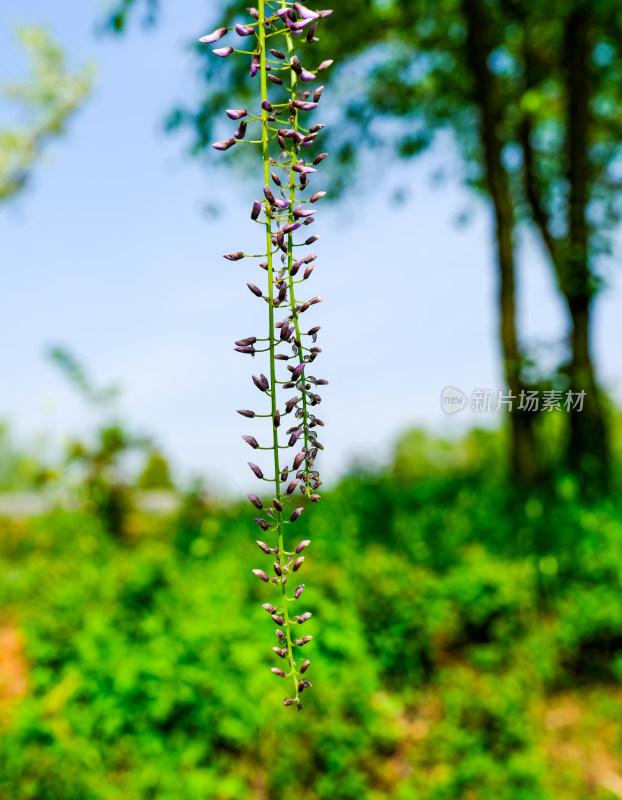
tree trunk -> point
(588, 443)
(524, 457)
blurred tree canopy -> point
(529, 92)
(45, 101)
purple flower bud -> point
(297, 372)
(290, 404)
(292, 486)
(324, 14)
(279, 572)
(256, 210)
(293, 438)
(262, 523)
(282, 203)
(224, 145)
(255, 64)
(317, 94)
(308, 272)
(303, 641)
(276, 80)
(248, 340)
(305, 666)
(256, 469)
(277, 504)
(317, 127)
(311, 33)
(318, 159)
(297, 27)
(261, 574)
(244, 30)
(299, 590)
(278, 54)
(303, 169)
(263, 546)
(268, 193)
(234, 256)
(305, 12)
(296, 514)
(317, 196)
(213, 37)
(278, 672)
(298, 563)
(261, 383)
(246, 413)
(241, 131)
(280, 651)
(300, 212)
(252, 441)
(305, 75)
(298, 460)
(254, 289)
(281, 142)
(325, 65)
(236, 113)
(269, 608)
(267, 106)
(304, 106)
(304, 617)
(288, 702)
(223, 52)
(312, 239)
(249, 349)
(303, 545)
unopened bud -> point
(278, 672)
(256, 469)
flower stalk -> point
(281, 31)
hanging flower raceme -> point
(276, 36)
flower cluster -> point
(285, 213)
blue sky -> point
(110, 254)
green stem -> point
(273, 382)
(290, 257)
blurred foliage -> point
(20, 470)
(466, 639)
(156, 473)
(96, 465)
(45, 103)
